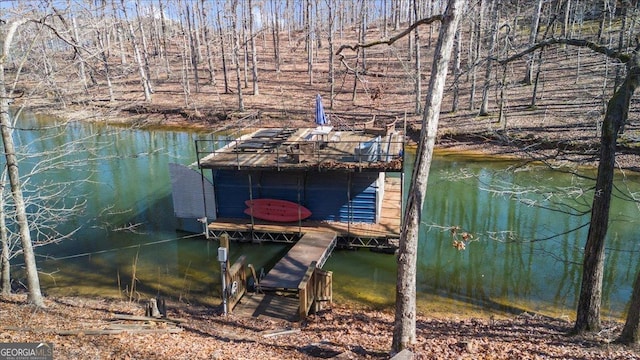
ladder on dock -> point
(287, 274)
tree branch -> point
(392, 39)
(622, 57)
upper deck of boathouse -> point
(325, 148)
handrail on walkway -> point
(236, 282)
(316, 288)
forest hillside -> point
(189, 66)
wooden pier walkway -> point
(289, 271)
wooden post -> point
(306, 291)
(224, 242)
(323, 289)
(152, 309)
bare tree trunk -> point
(5, 265)
(540, 59)
(565, 23)
(396, 15)
(363, 33)
(276, 33)
(33, 281)
(356, 77)
(309, 41)
(410, 43)
(105, 63)
(495, 9)
(404, 332)
(417, 63)
(245, 46)
(193, 49)
(502, 118)
(207, 43)
(332, 74)
(533, 33)
(143, 50)
(144, 79)
(197, 34)
(385, 25)
(155, 33)
(621, 46)
(605, 8)
(186, 89)
(477, 33)
(588, 314)
(631, 331)
(236, 54)
(457, 45)
(225, 74)
(81, 67)
(254, 53)
(164, 53)
(119, 30)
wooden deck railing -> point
(315, 289)
(236, 282)
(344, 154)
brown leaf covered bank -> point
(82, 328)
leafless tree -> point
(404, 332)
(236, 52)
(417, 63)
(223, 46)
(332, 79)
(144, 76)
(533, 33)
(33, 281)
(494, 9)
(275, 33)
(254, 53)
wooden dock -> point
(289, 271)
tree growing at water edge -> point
(588, 316)
(588, 310)
(631, 330)
(33, 281)
(404, 332)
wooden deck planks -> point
(269, 306)
(337, 153)
(288, 272)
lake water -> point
(525, 254)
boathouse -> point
(316, 188)
(349, 178)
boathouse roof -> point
(324, 148)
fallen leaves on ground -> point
(340, 332)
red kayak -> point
(276, 210)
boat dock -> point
(298, 273)
(289, 271)
(349, 179)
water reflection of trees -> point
(529, 225)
